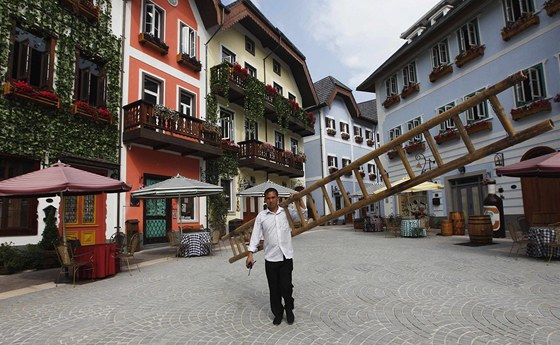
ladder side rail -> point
(463, 133)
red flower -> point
(270, 90)
(23, 87)
(294, 104)
(103, 112)
(310, 118)
(49, 95)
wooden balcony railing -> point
(268, 152)
(141, 114)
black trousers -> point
(279, 276)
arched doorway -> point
(539, 191)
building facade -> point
(453, 52)
(344, 131)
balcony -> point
(164, 129)
(298, 120)
(257, 155)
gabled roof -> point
(429, 36)
(368, 111)
(245, 13)
(329, 87)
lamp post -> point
(422, 161)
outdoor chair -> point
(175, 242)
(553, 245)
(72, 263)
(209, 243)
(120, 239)
(523, 224)
(128, 252)
(517, 239)
(216, 241)
(394, 226)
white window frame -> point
(226, 121)
(332, 161)
(448, 124)
(358, 131)
(440, 54)
(522, 7)
(533, 88)
(159, 93)
(345, 162)
(413, 124)
(279, 140)
(184, 201)
(251, 129)
(467, 35)
(294, 146)
(368, 134)
(330, 122)
(251, 70)
(154, 20)
(231, 206)
(279, 89)
(479, 111)
(188, 40)
(344, 127)
(371, 168)
(228, 55)
(187, 110)
(391, 86)
(409, 74)
(395, 132)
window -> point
(440, 54)
(188, 41)
(409, 74)
(369, 134)
(276, 67)
(532, 88)
(358, 131)
(332, 161)
(186, 103)
(467, 36)
(228, 55)
(249, 45)
(516, 9)
(31, 59)
(227, 185)
(395, 133)
(153, 20)
(188, 209)
(391, 87)
(371, 168)
(91, 82)
(478, 112)
(226, 121)
(251, 130)
(448, 124)
(80, 210)
(291, 97)
(252, 70)
(152, 90)
(294, 145)
(413, 124)
(344, 128)
(278, 88)
(279, 140)
(18, 216)
(345, 162)
(330, 123)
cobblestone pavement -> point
(350, 288)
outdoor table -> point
(195, 243)
(541, 235)
(103, 259)
(412, 228)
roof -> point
(433, 32)
(329, 87)
(368, 110)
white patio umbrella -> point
(424, 186)
(259, 190)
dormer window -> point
(440, 13)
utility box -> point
(131, 227)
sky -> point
(346, 39)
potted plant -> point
(531, 109)
(415, 146)
(372, 177)
(230, 145)
(524, 22)
(358, 139)
(344, 135)
(331, 131)
(149, 40)
(392, 154)
(410, 89)
(20, 89)
(440, 71)
(391, 100)
(446, 135)
(189, 61)
(332, 169)
(478, 126)
(369, 142)
(469, 54)
(552, 6)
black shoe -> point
(277, 319)
(290, 316)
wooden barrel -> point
(446, 228)
(480, 229)
(458, 220)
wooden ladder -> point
(239, 238)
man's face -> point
(271, 200)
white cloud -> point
(362, 34)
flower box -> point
(520, 25)
(392, 154)
(345, 135)
(358, 139)
(479, 126)
(409, 90)
(153, 43)
(453, 134)
(440, 71)
(362, 173)
(469, 54)
(189, 61)
(29, 94)
(89, 10)
(557, 98)
(391, 100)
(372, 177)
(331, 132)
(85, 110)
(332, 170)
(531, 109)
(230, 146)
(369, 142)
(348, 174)
(415, 147)
(551, 7)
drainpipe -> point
(264, 80)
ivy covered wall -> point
(33, 130)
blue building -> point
(344, 131)
(455, 50)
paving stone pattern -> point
(349, 288)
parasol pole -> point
(63, 211)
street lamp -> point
(422, 161)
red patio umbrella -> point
(542, 166)
(59, 179)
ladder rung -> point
(382, 171)
(361, 182)
(463, 133)
(343, 192)
(501, 114)
(402, 155)
(311, 204)
(327, 199)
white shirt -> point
(275, 229)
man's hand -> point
(249, 261)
